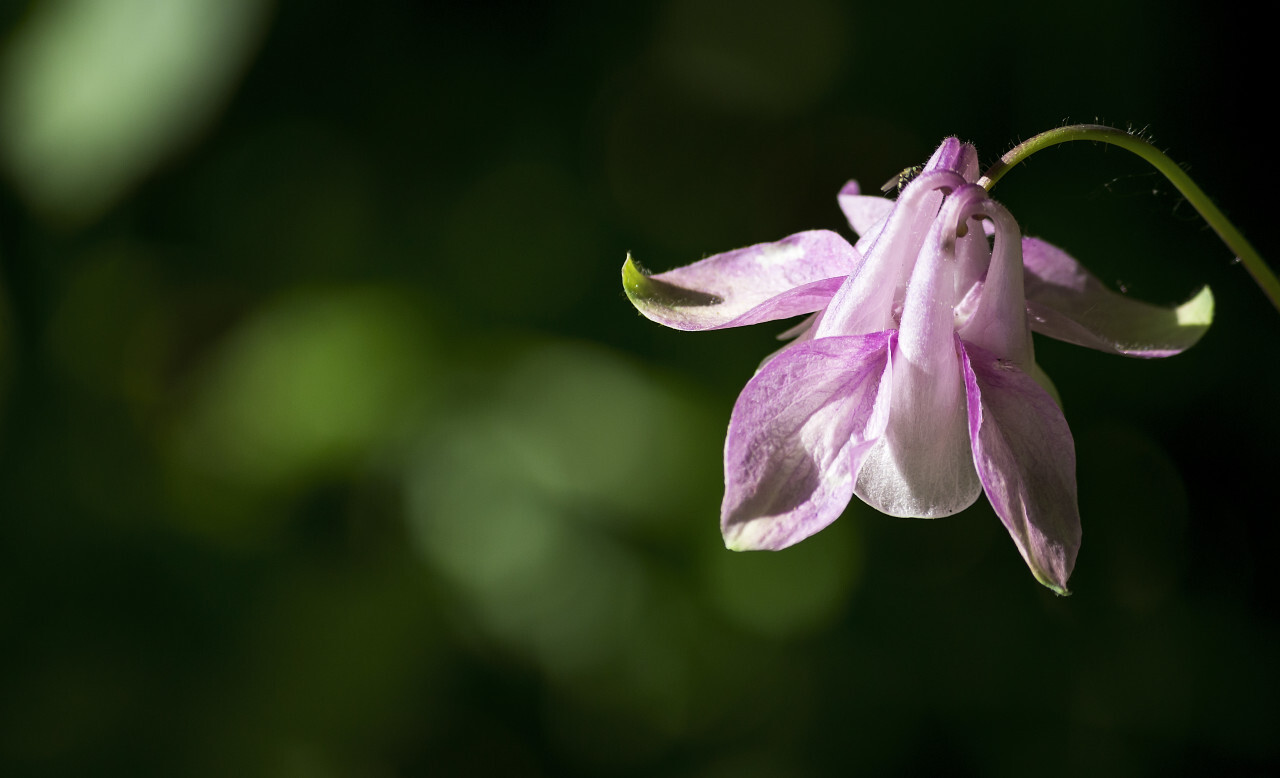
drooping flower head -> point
(914, 384)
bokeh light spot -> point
(314, 383)
(93, 94)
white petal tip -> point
(743, 537)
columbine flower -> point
(914, 384)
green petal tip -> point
(635, 280)
(1198, 311)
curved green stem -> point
(1176, 175)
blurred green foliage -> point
(94, 93)
(332, 447)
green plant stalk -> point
(1168, 168)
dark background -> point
(330, 445)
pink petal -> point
(863, 211)
(767, 281)
(866, 301)
(798, 433)
(800, 333)
(999, 322)
(956, 156)
(923, 466)
(1067, 302)
(1026, 458)
(868, 214)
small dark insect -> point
(902, 179)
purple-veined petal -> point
(1069, 303)
(801, 333)
(798, 434)
(764, 282)
(1027, 461)
(867, 299)
(863, 211)
(869, 215)
(999, 321)
(959, 157)
(922, 466)
(973, 258)
(1046, 383)
(803, 330)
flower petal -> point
(800, 333)
(767, 281)
(1027, 461)
(1069, 303)
(863, 211)
(866, 301)
(953, 155)
(999, 321)
(799, 432)
(922, 466)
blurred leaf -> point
(523, 499)
(310, 385)
(94, 94)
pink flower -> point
(914, 384)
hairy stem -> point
(1168, 168)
